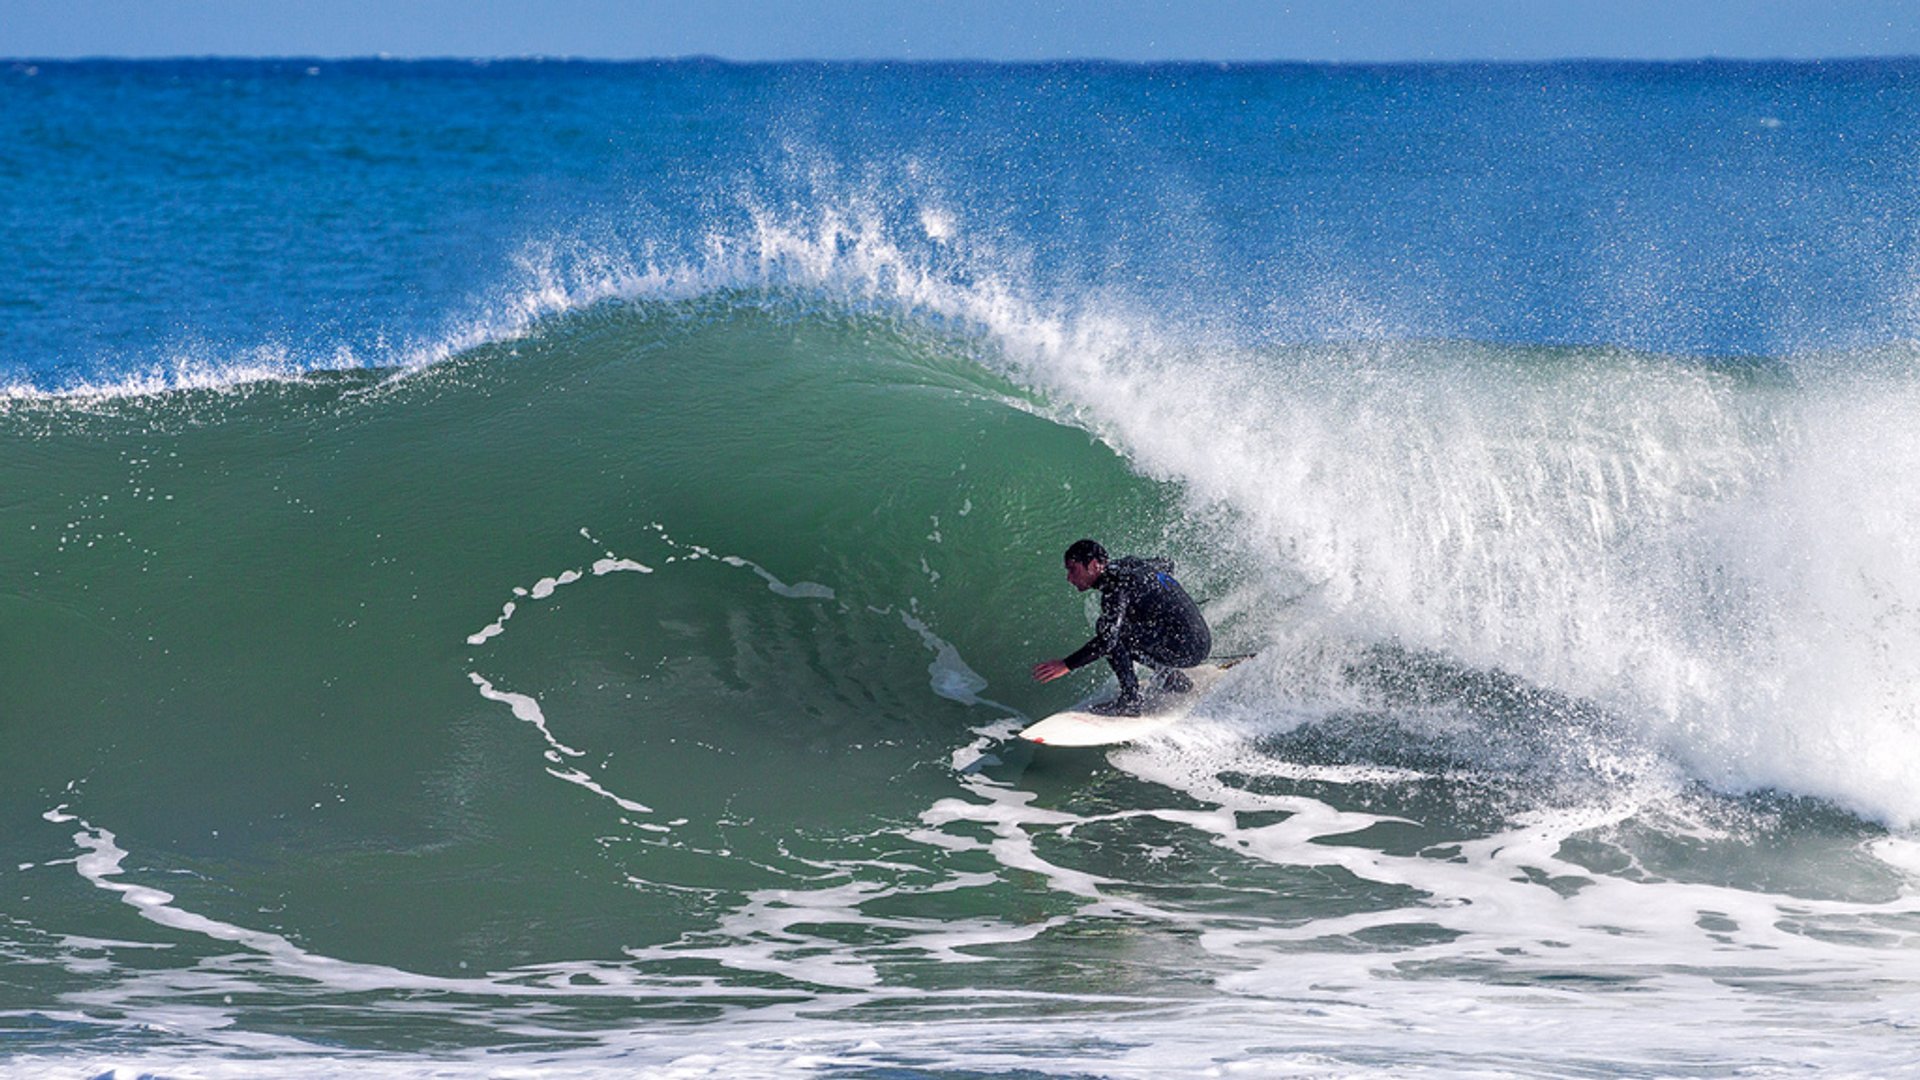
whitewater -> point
(531, 567)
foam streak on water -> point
(1506, 936)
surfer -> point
(1145, 616)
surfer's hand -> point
(1049, 670)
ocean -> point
(520, 568)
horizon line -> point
(712, 58)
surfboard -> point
(1078, 727)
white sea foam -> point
(524, 708)
(1504, 934)
(802, 590)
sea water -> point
(523, 567)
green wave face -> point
(276, 606)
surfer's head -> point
(1086, 561)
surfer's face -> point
(1084, 576)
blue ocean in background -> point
(533, 566)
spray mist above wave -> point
(863, 252)
(885, 238)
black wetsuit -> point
(1146, 616)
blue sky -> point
(1325, 30)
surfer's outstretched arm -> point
(1105, 642)
(1049, 670)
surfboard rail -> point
(1079, 727)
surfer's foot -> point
(1174, 681)
(1120, 706)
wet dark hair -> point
(1086, 551)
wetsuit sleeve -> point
(1105, 632)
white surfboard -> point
(1078, 727)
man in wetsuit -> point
(1144, 615)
